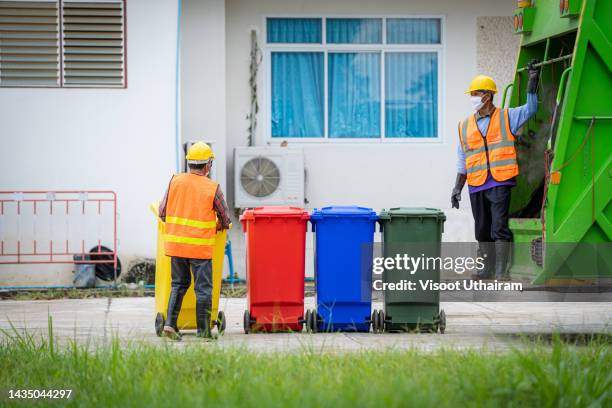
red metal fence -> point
(32, 231)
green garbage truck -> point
(561, 213)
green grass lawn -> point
(557, 375)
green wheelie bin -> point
(416, 233)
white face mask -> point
(476, 102)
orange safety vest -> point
(495, 152)
(191, 221)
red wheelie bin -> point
(275, 252)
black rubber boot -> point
(486, 251)
(502, 252)
(174, 307)
(203, 311)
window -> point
(29, 44)
(62, 43)
(294, 30)
(353, 94)
(354, 31)
(298, 103)
(354, 78)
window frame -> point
(325, 48)
(60, 47)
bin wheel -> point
(247, 322)
(314, 321)
(307, 321)
(382, 326)
(221, 322)
(442, 322)
(159, 324)
(374, 321)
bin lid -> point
(342, 211)
(274, 211)
(154, 206)
(412, 212)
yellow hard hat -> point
(199, 153)
(482, 83)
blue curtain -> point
(294, 30)
(354, 95)
(413, 31)
(411, 94)
(354, 30)
(297, 94)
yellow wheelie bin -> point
(163, 281)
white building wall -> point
(203, 77)
(368, 174)
(115, 139)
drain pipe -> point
(177, 92)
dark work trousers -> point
(182, 268)
(490, 211)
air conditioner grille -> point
(260, 177)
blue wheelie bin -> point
(344, 237)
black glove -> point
(456, 194)
(534, 75)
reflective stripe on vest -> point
(498, 163)
(189, 240)
(463, 135)
(191, 220)
(191, 223)
(495, 154)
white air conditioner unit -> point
(268, 176)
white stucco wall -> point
(368, 174)
(497, 49)
(115, 139)
(203, 77)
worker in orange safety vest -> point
(487, 160)
(194, 209)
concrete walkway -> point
(490, 326)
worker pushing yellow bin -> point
(163, 281)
